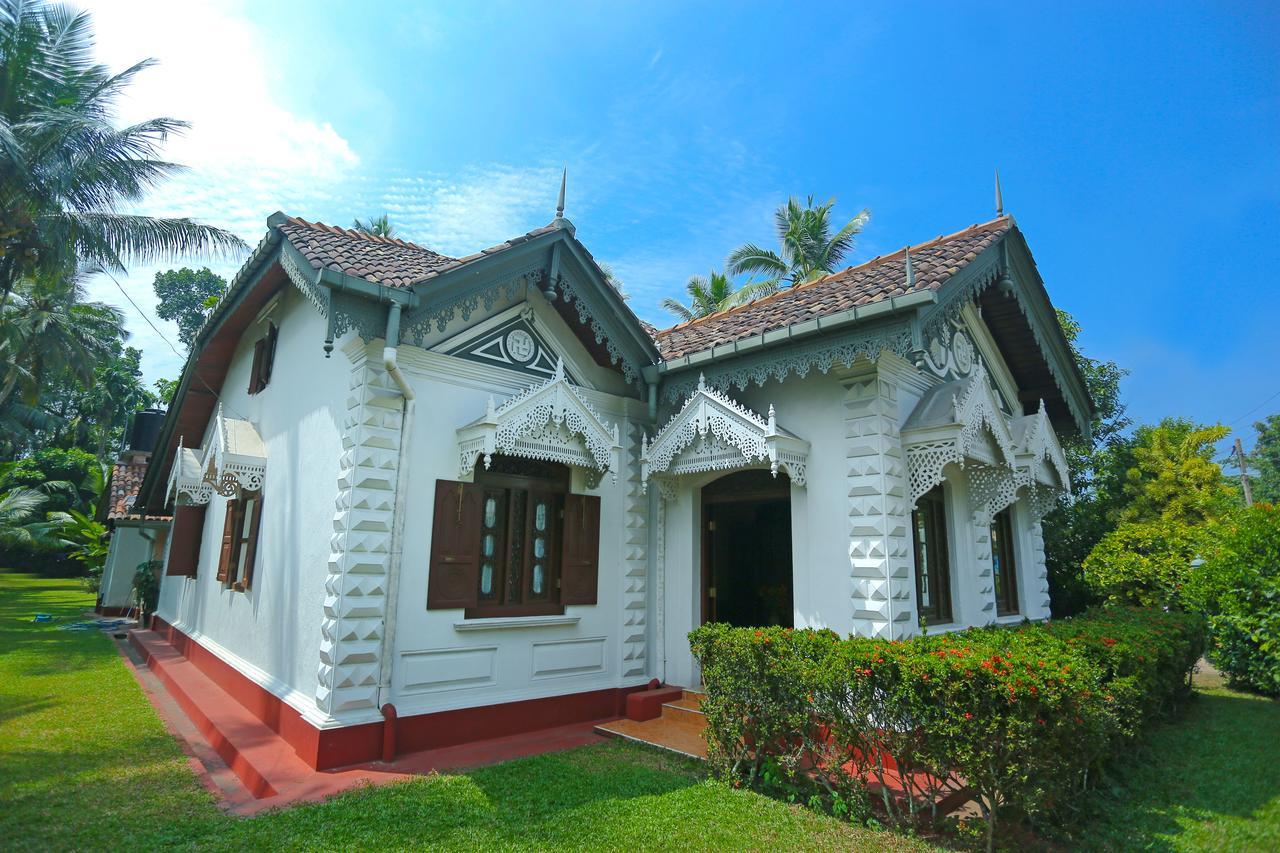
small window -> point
(521, 527)
(264, 355)
(933, 573)
(1003, 568)
(240, 540)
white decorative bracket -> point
(712, 432)
(550, 421)
(961, 422)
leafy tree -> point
(1265, 460)
(377, 226)
(165, 389)
(1239, 588)
(707, 295)
(1145, 563)
(808, 249)
(1173, 475)
(186, 296)
(66, 170)
(1098, 466)
(50, 332)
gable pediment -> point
(512, 341)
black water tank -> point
(146, 430)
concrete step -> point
(684, 711)
(674, 736)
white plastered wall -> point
(271, 633)
(128, 548)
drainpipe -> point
(391, 365)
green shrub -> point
(1019, 715)
(1146, 564)
(1239, 588)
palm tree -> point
(66, 172)
(378, 226)
(20, 518)
(708, 295)
(48, 329)
(808, 249)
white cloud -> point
(249, 155)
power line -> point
(1246, 415)
(195, 374)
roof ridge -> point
(878, 259)
(362, 235)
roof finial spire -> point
(911, 271)
(564, 176)
(999, 197)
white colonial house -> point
(479, 491)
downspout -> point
(391, 365)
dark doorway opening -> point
(746, 550)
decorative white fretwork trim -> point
(973, 412)
(550, 421)
(713, 432)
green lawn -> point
(85, 764)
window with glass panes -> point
(933, 572)
(521, 522)
(1003, 568)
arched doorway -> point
(746, 550)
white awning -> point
(551, 422)
(186, 479)
(236, 458)
(712, 432)
(1042, 466)
(961, 422)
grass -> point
(86, 764)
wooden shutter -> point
(255, 371)
(228, 542)
(268, 356)
(580, 551)
(251, 546)
(188, 529)
(455, 546)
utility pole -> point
(1244, 474)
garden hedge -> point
(1020, 715)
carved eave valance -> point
(550, 421)
(187, 485)
(712, 432)
(961, 422)
(236, 458)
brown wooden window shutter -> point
(251, 544)
(188, 529)
(455, 546)
(268, 355)
(580, 553)
(228, 542)
(255, 371)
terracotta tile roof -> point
(879, 278)
(126, 479)
(381, 260)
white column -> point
(879, 516)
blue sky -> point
(1138, 144)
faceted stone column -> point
(1038, 599)
(635, 560)
(879, 515)
(356, 590)
(984, 571)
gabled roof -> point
(126, 479)
(933, 263)
(381, 260)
